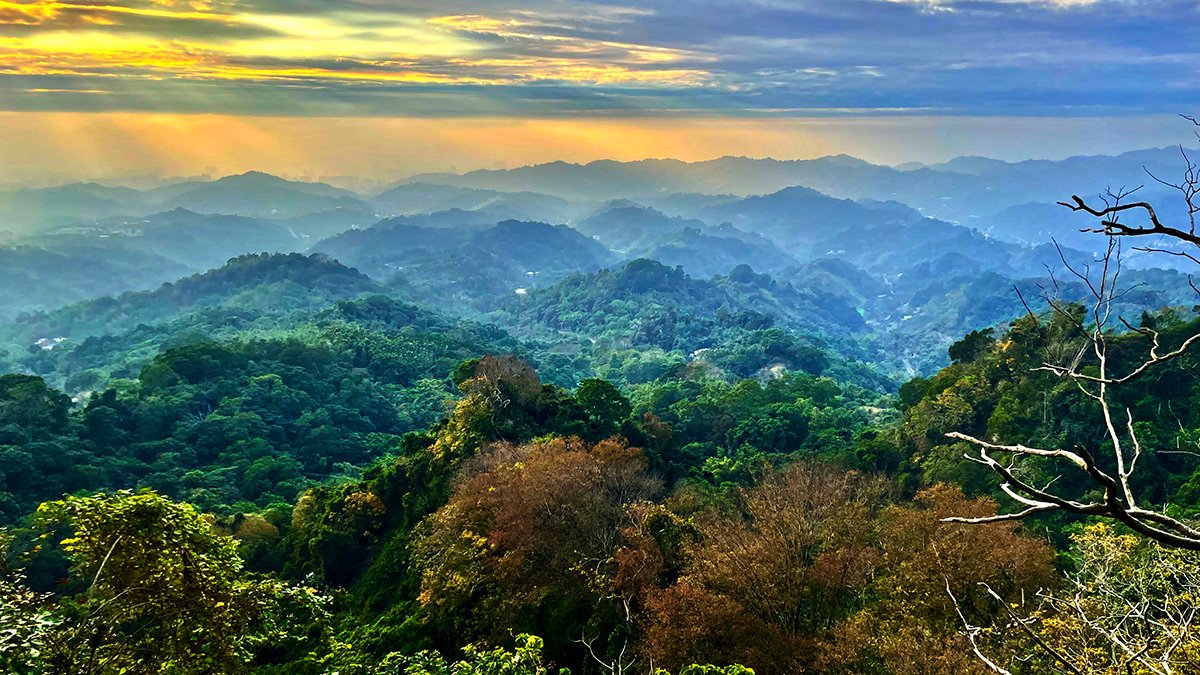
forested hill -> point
(995, 389)
(645, 426)
(469, 520)
(463, 267)
(646, 305)
(34, 277)
(249, 419)
(253, 283)
(830, 302)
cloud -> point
(166, 18)
(952, 5)
(609, 57)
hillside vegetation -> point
(709, 419)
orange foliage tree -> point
(817, 571)
(528, 540)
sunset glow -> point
(573, 79)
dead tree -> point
(1117, 499)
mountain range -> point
(890, 264)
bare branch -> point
(1113, 228)
(972, 635)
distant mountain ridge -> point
(964, 189)
(955, 190)
(271, 282)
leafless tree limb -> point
(1091, 371)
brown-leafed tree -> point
(529, 541)
(817, 571)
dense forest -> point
(422, 431)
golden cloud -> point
(53, 14)
(151, 61)
(26, 14)
(72, 39)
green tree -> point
(972, 346)
(24, 623)
(524, 659)
(30, 410)
(156, 590)
(606, 408)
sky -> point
(382, 87)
